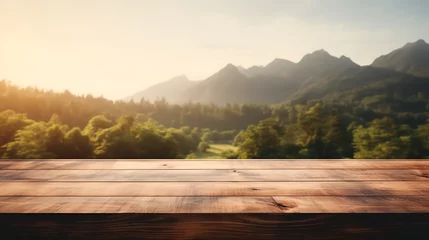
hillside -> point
(413, 58)
(277, 68)
(401, 73)
(356, 84)
(229, 85)
(172, 90)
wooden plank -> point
(385, 204)
(105, 189)
(214, 175)
(138, 205)
(214, 226)
(379, 204)
(211, 164)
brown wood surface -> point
(113, 164)
(376, 204)
(214, 226)
(215, 175)
(321, 204)
(138, 205)
(177, 189)
(213, 199)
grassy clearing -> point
(215, 150)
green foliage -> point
(128, 139)
(191, 156)
(262, 140)
(185, 141)
(205, 137)
(10, 123)
(29, 142)
(320, 133)
(77, 145)
(382, 139)
(101, 138)
(365, 124)
(229, 154)
(238, 139)
(423, 135)
(38, 140)
(96, 124)
(203, 146)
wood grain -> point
(379, 204)
(210, 164)
(214, 199)
(214, 226)
(105, 189)
(138, 205)
(385, 204)
(214, 175)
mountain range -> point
(318, 75)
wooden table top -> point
(214, 186)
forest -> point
(40, 124)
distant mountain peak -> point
(321, 51)
(280, 60)
(229, 68)
(171, 90)
(277, 61)
(418, 43)
(318, 55)
(344, 58)
(412, 58)
(229, 71)
(253, 70)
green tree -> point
(311, 124)
(184, 142)
(205, 137)
(97, 123)
(381, 140)
(423, 136)
(10, 123)
(229, 154)
(203, 147)
(30, 142)
(262, 140)
(191, 156)
(77, 145)
(238, 139)
(337, 139)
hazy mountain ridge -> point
(170, 90)
(219, 86)
(278, 67)
(317, 75)
(413, 58)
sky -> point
(114, 48)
